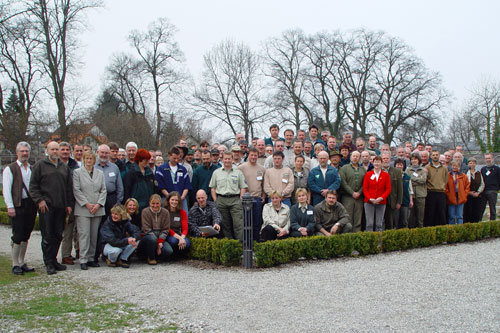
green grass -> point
(58, 303)
(6, 276)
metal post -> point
(247, 202)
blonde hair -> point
(87, 154)
(300, 190)
(275, 193)
(120, 210)
(135, 202)
(154, 197)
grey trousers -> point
(88, 228)
(374, 216)
(354, 208)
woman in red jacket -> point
(456, 190)
(376, 189)
(178, 223)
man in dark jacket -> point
(203, 213)
(491, 176)
(331, 217)
(51, 188)
(395, 198)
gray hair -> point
(64, 144)
(131, 144)
(23, 144)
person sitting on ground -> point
(275, 219)
(302, 216)
(331, 217)
(203, 213)
(120, 237)
(155, 226)
(132, 207)
(178, 223)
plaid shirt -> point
(197, 217)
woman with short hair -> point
(140, 182)
(275, 219)
(90, 193)
(302, 216)
(456, 191)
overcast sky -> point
(460, 39)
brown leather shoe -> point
(68, 261)
(151, 262)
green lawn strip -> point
(60, 303)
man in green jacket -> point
(331, 217)
(351, 188)
(395, 198)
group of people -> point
(117, 202)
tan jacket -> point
(276, 219)
(280, 180)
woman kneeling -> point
(120, 237)
(155, 226)
(178, 223)
(275, 219)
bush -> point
(227, 252)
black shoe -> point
(27, 269)
(51, 270)
(84, 266)
(93, 264)
(16, 270)
(59, 267)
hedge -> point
(229, 252)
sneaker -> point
(123, 263)
(109, 263)
(151, 262)
(59, 267)
(16, 270)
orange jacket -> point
(463, 189)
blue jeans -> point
(112, 253)
(174, 243)
(456, 214)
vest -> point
(475, 182)
(17, 184)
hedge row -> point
(229, 252)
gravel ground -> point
(440, 289)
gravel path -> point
(440, 289)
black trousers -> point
(435, 209)
(269, 233)
(472, 209)
(51, 227)
(24, 221)
(490, 198)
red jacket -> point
(463, 189)
(373, 189)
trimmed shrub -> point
(227, 252)
(482, 230)
(494, 228)
(368, 243)
(441, 234)
(421, 237)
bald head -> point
(52, 151)
(201, 198)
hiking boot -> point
(109, 263)
(151, 262)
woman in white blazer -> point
(89, 189)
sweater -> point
(157, 223)
(280, 180)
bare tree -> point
(125, 81)
(59, 21)
(286, 63)
(404, 89)
(231, 88)
(159, 57)
(19, 66)
(483, 107)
